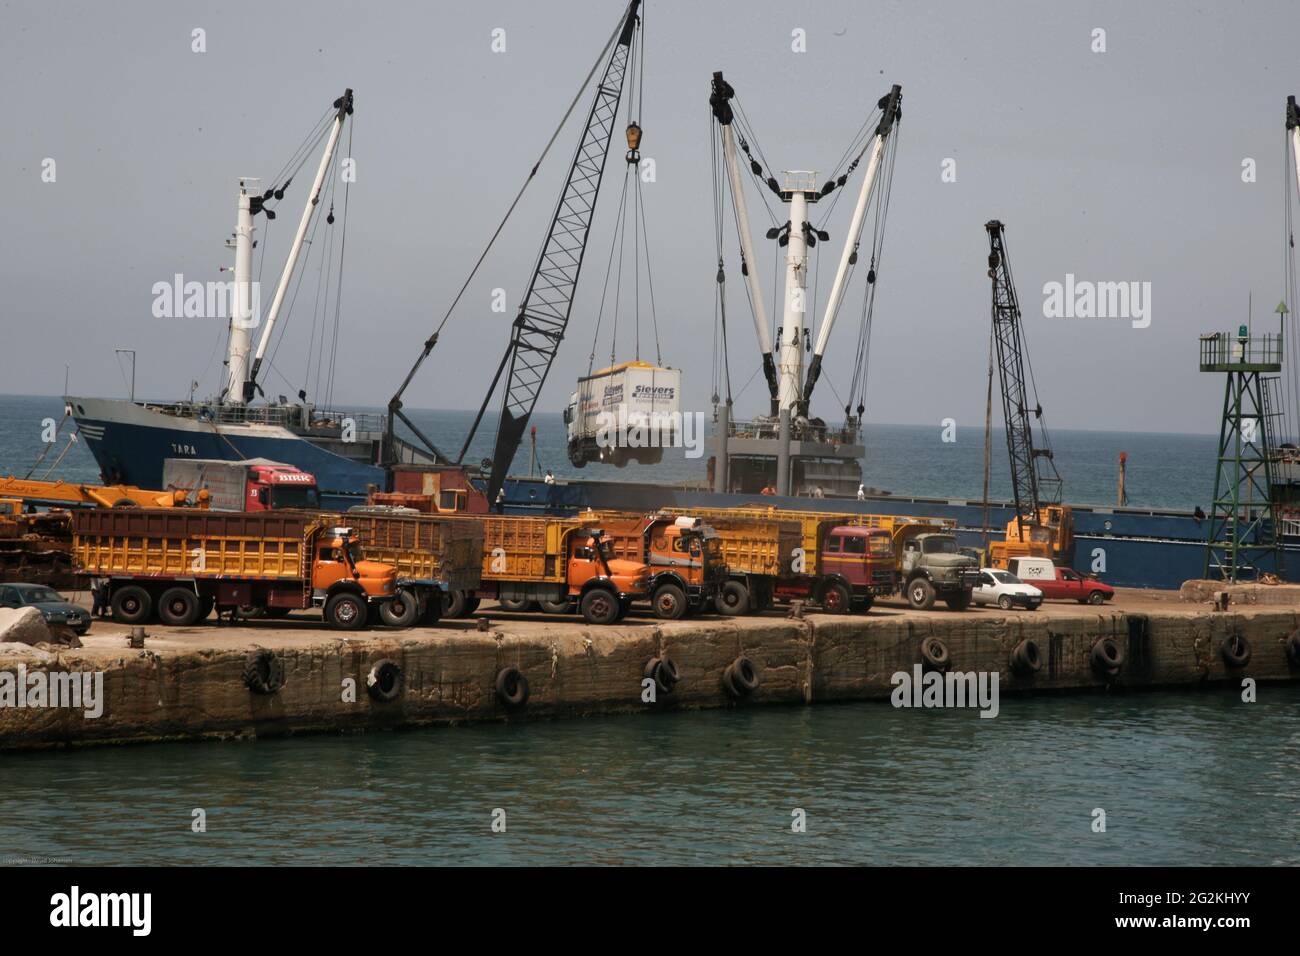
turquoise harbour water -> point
(1185, 778)
(1193, 778)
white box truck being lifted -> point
(627, 412)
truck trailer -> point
(180, 564)
(556, 564)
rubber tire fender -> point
(1293, 649)
(1107, 657)
(1235, 650)
(663, 671)
(740, 678)
(934, 654)
(1026, 658)
(263, 671)
(512, 687)
(384, 681)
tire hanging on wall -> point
(740, 678)
(1026, 658)
(263, 672)
(1235, 650)
(1107, 657)
(384, 682)
(934, 654)
(512, 687)
(663, 672)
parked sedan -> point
(1005, 590)
(49, 602)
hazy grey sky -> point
(1115, 166)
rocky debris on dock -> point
(26, 625)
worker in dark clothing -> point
(501, 501)
(99, 599)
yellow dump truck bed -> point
(424, 548)
(812, 524)
(523, 548)
(140, 542)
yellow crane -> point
(16, 492)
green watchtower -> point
(1243, 521)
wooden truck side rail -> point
(422, 548)
(523, 548)
(137, 542)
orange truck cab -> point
(687, 567)
(338, 558)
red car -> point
(1061, 584)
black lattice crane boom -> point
(544, 310)
(1035, 482)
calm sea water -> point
(1185, 779)
(1164, 470)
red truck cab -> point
(274, 487)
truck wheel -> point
(401, 611)
(131, 605)
(959, 601)
(733, 599)
(836, 598)
(453, 604)
(556, 607)
(1096, 597)
(431, 608)
(471, 604)
(178, 607)
(514, 604)
(346, 611)
(670, 602)
(920, 594)
(600, 606)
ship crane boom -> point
(890, 106)
(720, 102)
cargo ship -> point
(787, 457)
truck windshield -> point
(940, 546)
(294, 496)
(880, 544)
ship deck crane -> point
(1042, 526)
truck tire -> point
(131, 605)
(178, 607)
(669, 602)
(402, 610)
(920, 594)
(836, 598)
(733, 599)
(471, 604)
(514, 604)
(958, 602)
(556, 607)
(600, 606)
(346, 611)
(453, 604)
(206, 604)
(431, 608)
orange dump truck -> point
(557, 564)
(821, 557)
(684, 554)
(432, 556)
(179, 564)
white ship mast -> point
(241, 381)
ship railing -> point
(770, 429)
(295, 416)
(1222, 351)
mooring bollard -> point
(137, 636)
(484, 623)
